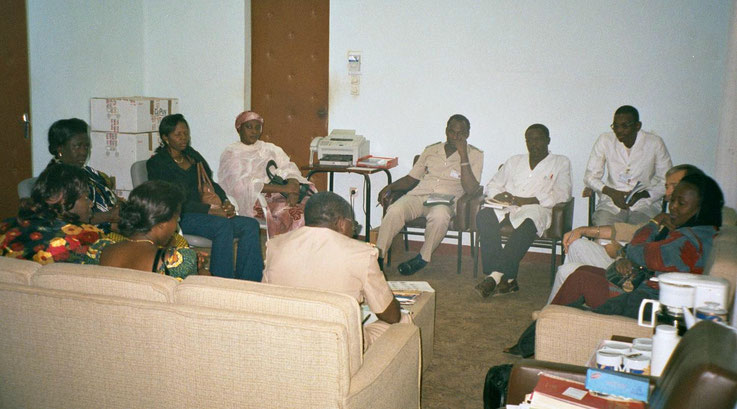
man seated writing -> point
(451, 168)
(528, 186)
(323, 255)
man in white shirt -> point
(632, 159)
(530, 185)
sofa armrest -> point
(569, 335)
(390, 374)
(525, 373)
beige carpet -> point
(470, 333)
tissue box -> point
(618, 384)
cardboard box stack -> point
(124, 131)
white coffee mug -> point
(608, 360)
(638, 364)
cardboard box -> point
(130, 114)
(114, 153)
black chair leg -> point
(459, 251)
(476, 256)
(553, 257)
(406, 241)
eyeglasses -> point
(625, 125)
(356, 228)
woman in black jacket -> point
(176, 161)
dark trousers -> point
(495, 257)
(249, 264)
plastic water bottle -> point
(664, 342)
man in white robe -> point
(528, 186)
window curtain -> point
(726, 161)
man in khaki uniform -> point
(323, 255)
(451, 168)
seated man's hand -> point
(572, 236)
(385, 195)
(504, 197)
(617, 196)
(637, 196)
(612, 248)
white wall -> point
(195, 50)
(508, 64)
(79, 49)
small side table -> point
(366, 172)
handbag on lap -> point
(304, 188)
(629, 281)
(205, 187)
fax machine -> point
(341, 148)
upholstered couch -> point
(76, 336)
(568, 335)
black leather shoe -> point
(506, 287)
(486, 287)
(412, 266)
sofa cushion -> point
(113, 281)
(17, 271)
(62, 349)
(278, 300)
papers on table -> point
(411, 286)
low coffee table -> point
(423, 314)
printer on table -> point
(341, 148)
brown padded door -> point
(290, 73)
(15, 154)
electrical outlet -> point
(352, 191)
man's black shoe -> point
(412, 266)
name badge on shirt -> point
(454, 174)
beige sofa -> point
(568, 335)
(95, 337)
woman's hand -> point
(229, 209)
(203, 262)
(623, 266)
(218, 211)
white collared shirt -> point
(646, 162)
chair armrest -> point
(562, 219)
(525, 373)
(569, 335)
(390, 374)
(466, 207)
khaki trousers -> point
(408, 208)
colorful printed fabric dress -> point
(47, 241)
